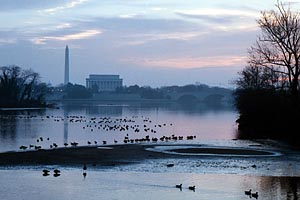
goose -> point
(179, 186)
(23, 147)
(192, 188)
(56, 171)
(45, 171)
(46, 174)
(170, 165)
(84, 174)
(248, 192)
(255, 195)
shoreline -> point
(112, 155)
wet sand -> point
(111, 155)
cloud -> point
(75, 36)
(223, 19)
(64, 26)
(142, 38)
(7, 41)
(8, 5)
(218, 12)
(68, 5)
(188, 62)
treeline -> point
(164, 92)
(182, 94)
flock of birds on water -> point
(110, 124)
(124, 125)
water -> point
(274, 177)
(30, 184)
(59, 125)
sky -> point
(147, 42)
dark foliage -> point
(77, 91)
(266, 113)
(21, 88)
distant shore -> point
(111, 155)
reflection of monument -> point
(66, 126)
(104, 82)
(66, 81)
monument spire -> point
(66, 81)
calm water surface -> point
(80, 123)
(214, 177)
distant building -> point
(104, 82)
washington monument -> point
(66, 65)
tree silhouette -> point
(267, 96)
(276, 52)
(19, 87)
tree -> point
(276, 53)
(77, 91)
(267, 96)
(19, 87)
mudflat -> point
(113, 154)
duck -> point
(23, 147)
(192, 187)
(46, 172)
(179, 186)
(255, 195)
(170, 165)
(248, 192)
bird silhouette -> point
(192, 188)
(179, 186)
(248, 192)
(84, 174)
(255, 195)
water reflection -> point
(293, 188)
(25, 127)
(117, 109)
(66, 125)
(8, 128)
(105, 110)
(279, 188)
(16, 125)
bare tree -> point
(18, 86)
(278, 47)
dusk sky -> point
(147, 42)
